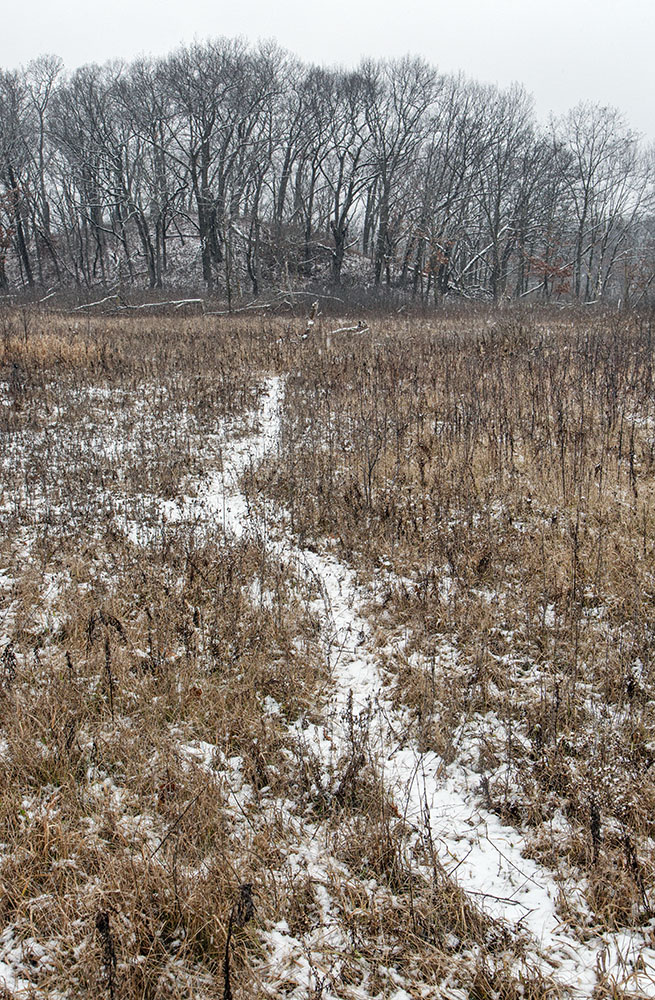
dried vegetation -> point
(494, 480)
(164, 824)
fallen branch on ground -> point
(91, 305)
(178, 303)
(360, 328)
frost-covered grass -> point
(330, 655)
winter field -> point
(325, 656)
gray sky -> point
(563, 51)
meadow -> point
(326, 655)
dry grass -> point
(506, 472)
(493, 482)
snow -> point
(14, 957)
(217, 500)
(439, 801)
(486, 857)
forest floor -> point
(325, 657)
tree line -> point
(239, 169)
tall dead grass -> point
(502, 470)
(505, 473)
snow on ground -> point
(474, 846)
(16, 956)
(441, 801)
(484, 855)
(217, 499)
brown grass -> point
(493, 482)
(506, 471)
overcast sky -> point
(563, 51)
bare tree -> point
(14, 173)
(400, 93)
(608, 183)
(230, 165)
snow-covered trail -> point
(482, 854)
(217, 501)
(220, 495)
